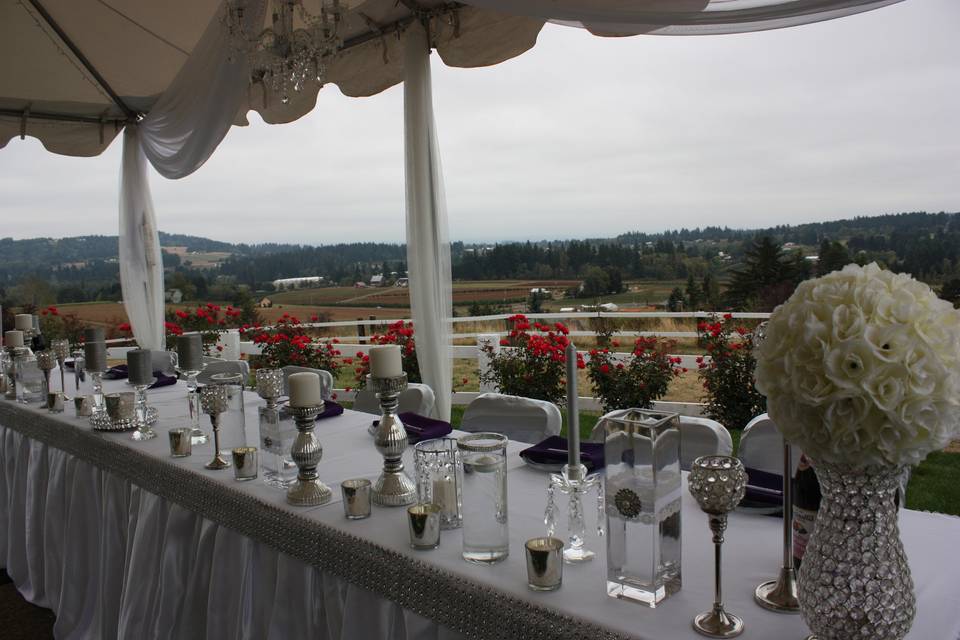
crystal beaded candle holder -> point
(439, 471)
(276, 435)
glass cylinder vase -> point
(486, 536)
(233, 424)
(855, 581)
(642, 494)
(440, 478)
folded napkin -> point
(421, 427)
(553, 450)
(330, 409)
(119, 372)
(764, 490)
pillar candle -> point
(385, 361)
(13, 338)
(23, 322)
(95, 356)
(445, 495)
(573, 415)
(190, 352)
(140, 367)
(305, 389)
(94, 334)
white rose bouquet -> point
(862, 367)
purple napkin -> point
(764, 489)
(553, 450)
(421, 427)
(119, 372)
(330, 409)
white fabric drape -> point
(428, 244)
(682, 17)
(141, 265)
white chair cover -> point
(418, 398)
(326, 379)
(521, 419)
(702, 437)
(164, 362)
(215, 366)
(761, 447)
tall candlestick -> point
(305, 390)
(385, 361)
(573, 414)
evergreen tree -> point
(951, 291)
(694, 294)
(675, 301)
(833, 256)
(764, 279)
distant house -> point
(609, 307)
(265, 303)
(403, 282)
(173, 296)
(360, 285)
(540, 291)
(567, 309)
(377, 280)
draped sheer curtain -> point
(428, 244)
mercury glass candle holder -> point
(307, 490)
(717, 483)
(393, 488)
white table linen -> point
(115, 560)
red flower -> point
(504, 342)
(183, 315)
(464, 381)
(123, 326)
(728, 316)
(604, 368)
(615, 343)
(219, 347)
(348, 389)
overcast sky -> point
(581, 136)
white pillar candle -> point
(23, 322)
(305, 389)
(13, 338)
(385, 361)
(445, 495)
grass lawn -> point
(933, 486)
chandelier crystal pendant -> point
(293, 51)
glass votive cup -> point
(356, 498)
(55, 402)
(180, 442)
(244, 463)
(544, 563)
(83, 406)
(424, 521)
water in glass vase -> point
(642, 495)
(485, 532)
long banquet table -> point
(123, 541)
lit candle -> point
(385, 361)
(305, 389)
(573, 415)
(13, 338)
(23, 322)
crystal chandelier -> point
(293, 51)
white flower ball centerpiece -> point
(861, 369)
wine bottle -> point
(806, 503)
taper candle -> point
(573, 415)
(385, 361)
(305, 390)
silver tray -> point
(102, 422)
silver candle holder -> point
(47, 362)
(61, 349)
(213, 400)
(307, 490)
(718, 484)
(783, 594)
(393, 488)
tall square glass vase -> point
(642, 497)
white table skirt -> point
(134, 553)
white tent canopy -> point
(76, 72)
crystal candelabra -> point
(307, 490)
(10, 371)
(718, 484)
(575, 483)
(193, 406)
(143, 432)
(393, 488)
(213, 401)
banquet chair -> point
(326, 379)
(164, 362)
(698, 437)
(761, 447)
(215, 366)
(417, 398)
(521, 419)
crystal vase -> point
(855, 582)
